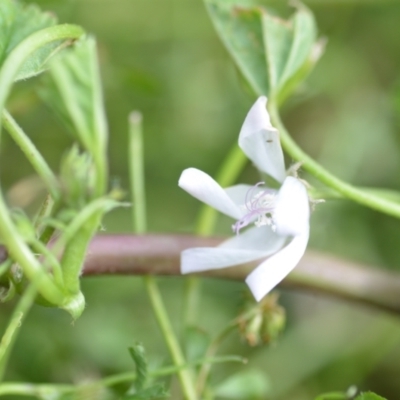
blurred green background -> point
(164, 58)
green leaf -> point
(293, 41)
(250, 384)
(196, 343)
(240, 29)
(73, 91)
(156, 391)
(369, 396)
(138, 355)
(274, 55)
(17, 22)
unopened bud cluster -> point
(262, 323)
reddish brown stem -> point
(317, 272)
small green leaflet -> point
(137, 353)
(155, 391)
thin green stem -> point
(51, 259)
(40, 391)
(227, 175)
(32, 154)
(165, 371)
(136, 171)
(89, 212)
(184, 375)
(16, 246)
(366, 198)
(210, 352)
(13, 326)
(46, 390)
(139, 223)
(100, 123)
(192, 300)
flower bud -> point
(77, 176)
(261, 323)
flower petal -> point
(206, 189)
(272, 271)
(207, 258)
(253, 244)
(292, 210)
(262, 239)
(259, 140)
(257, 118)
(238, 193)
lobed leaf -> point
(273, 55)
(288, 45)
(73, 91)
(240, 29)
(138, 355)
(156, 391)
(17, 22)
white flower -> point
(281, 217)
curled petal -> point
(259, 140)
(272, 271)
(257, 118)
(292, 210)
(253, 244)
(206, 189)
